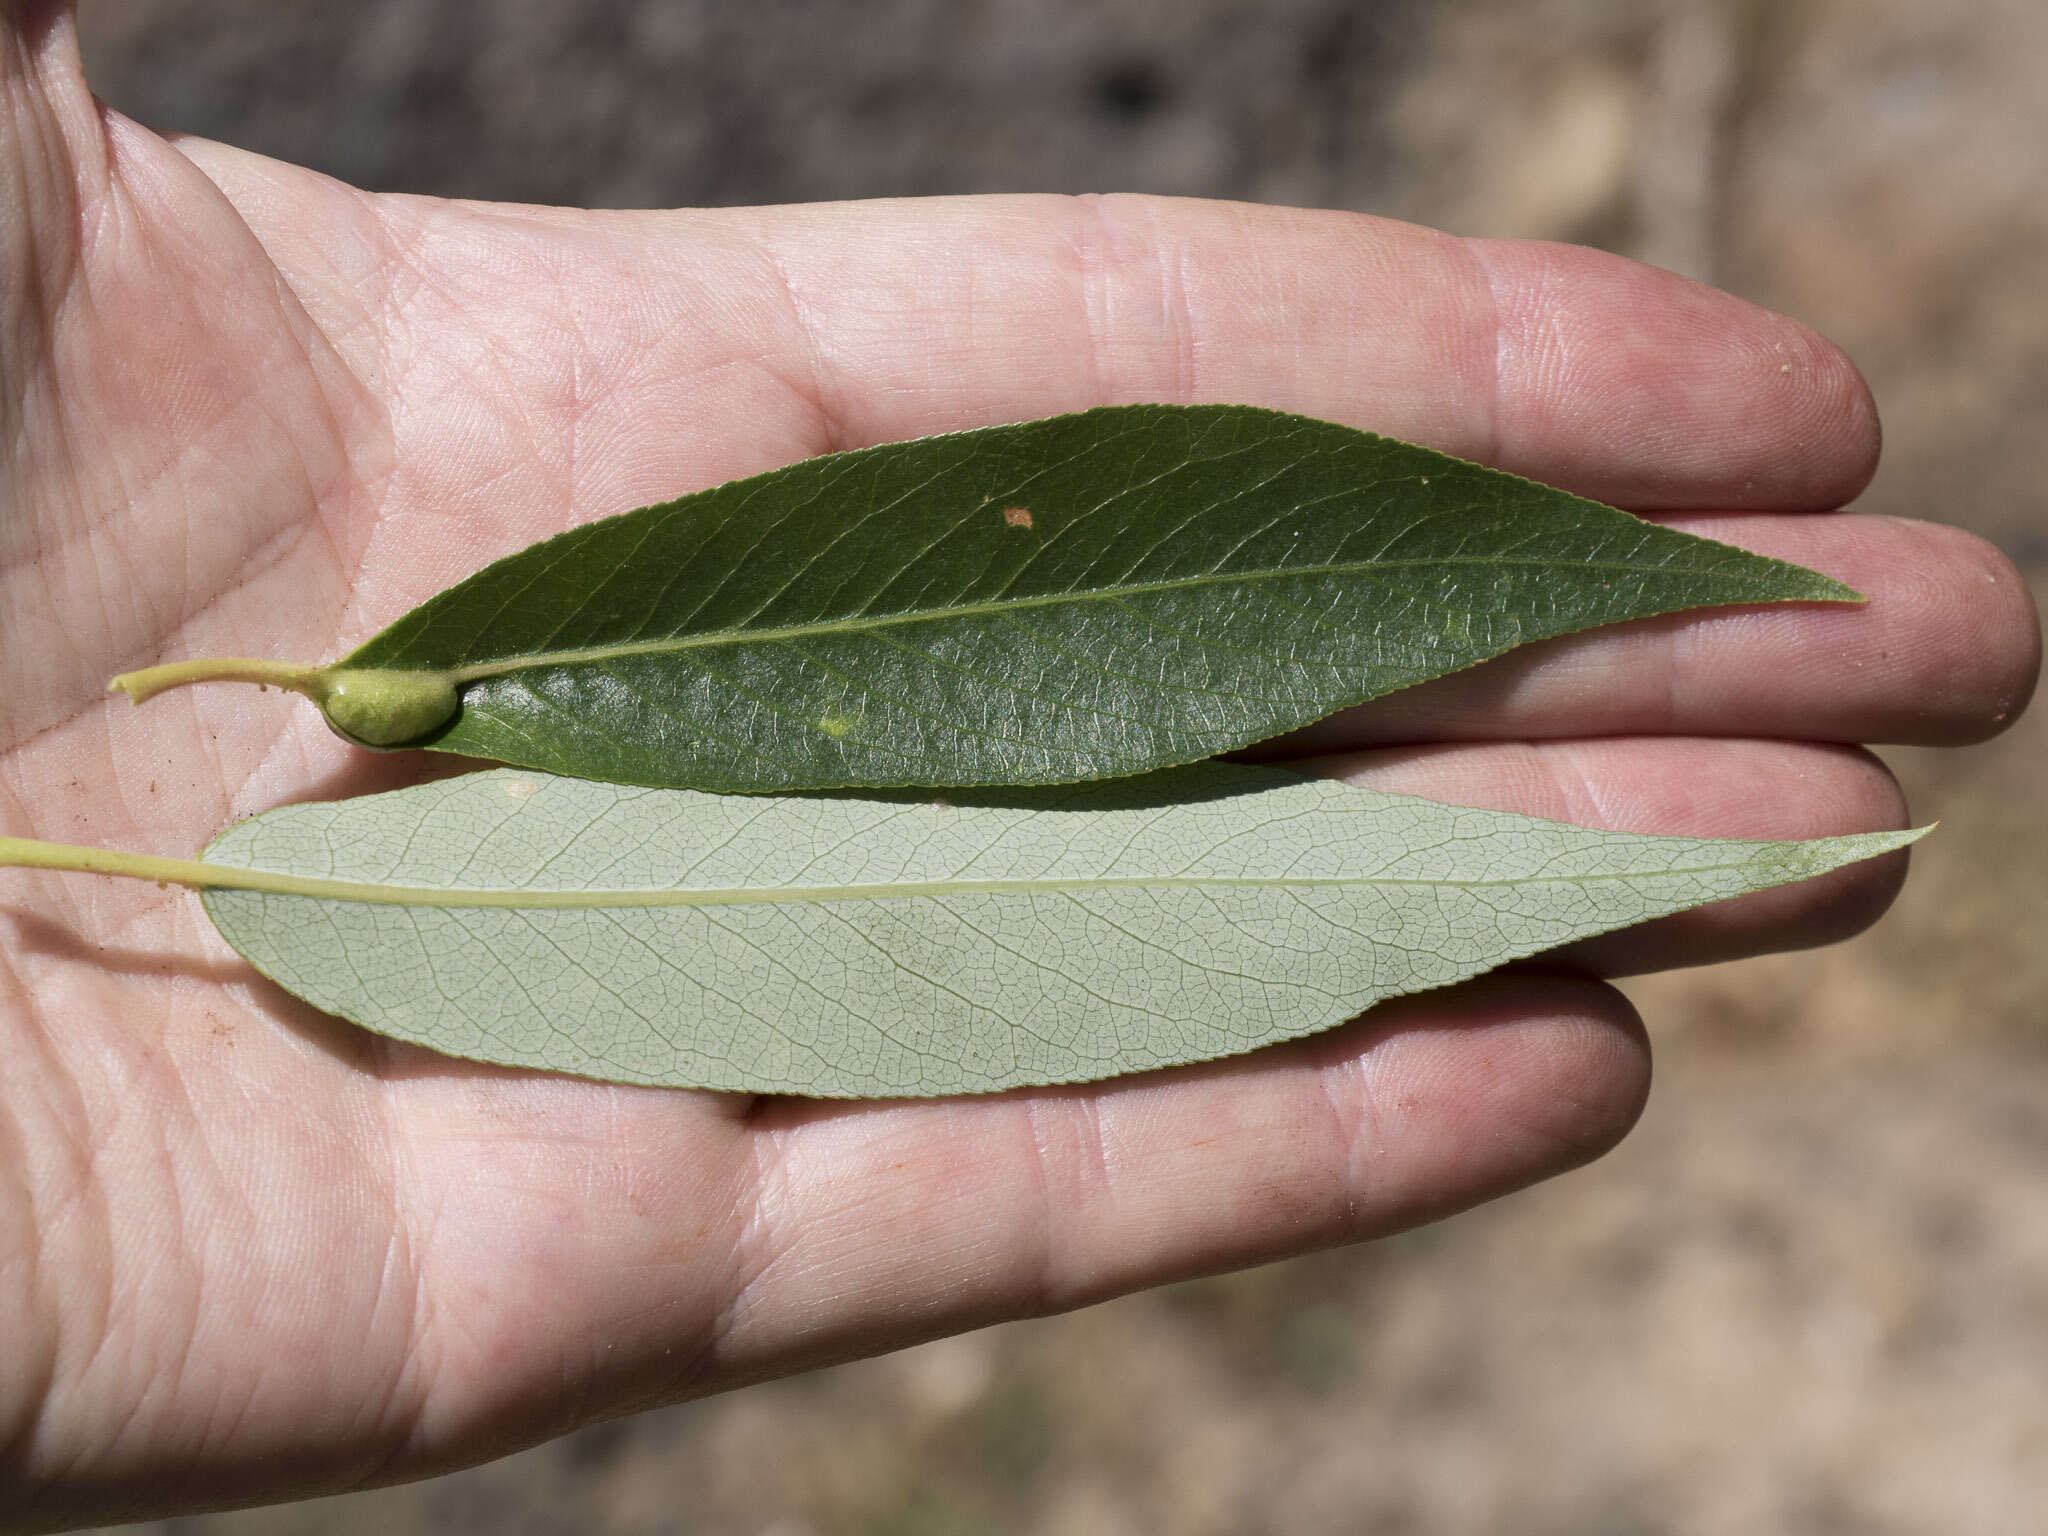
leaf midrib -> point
(478, 671)
(268, 882)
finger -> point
(894, 1223)
(1692, 788)
(1569, 365)
(1946, 650)
(839, 325)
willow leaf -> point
(1089, 596)
(849, 946)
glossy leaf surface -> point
(841, 945)
(1088, 596)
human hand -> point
(247, 1252)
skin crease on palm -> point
(249, 1253)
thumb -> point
(52, 165)
(53, 172)
(44, 102)
(167, 409)
(28, 18)
(29, 23)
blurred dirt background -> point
(1810, 1294)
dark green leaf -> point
(1089, 596)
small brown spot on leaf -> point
(1017, 517)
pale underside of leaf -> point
(1089, 596)
(848, 946)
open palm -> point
(247, 1252)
